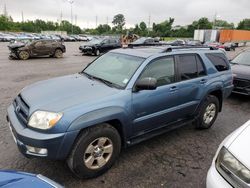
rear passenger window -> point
(219, 60)
(190, 66)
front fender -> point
(101, 115)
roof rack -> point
(171, 48)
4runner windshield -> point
(114, 68)
(242, 59)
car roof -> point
(146, 52)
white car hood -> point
(238, 144)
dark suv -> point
(120, 99)
(25, 49)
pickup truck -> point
(123, 97)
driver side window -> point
(163, 70)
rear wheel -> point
(23, 55)
(95, 151)
(58, 53)
(208, 112)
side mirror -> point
(147, 83)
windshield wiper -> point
(106, 82)
(87, 75)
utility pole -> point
(5, 13)
(107, 20)
(76, 19)
(149, 22)
(96, 21)
(71, 10)
(22, 17)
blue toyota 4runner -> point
(121, 98)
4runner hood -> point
(242, 71)
(64, 92)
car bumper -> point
(13, 55)
(241, 86)
(214, 179)
(57, 145)
(87, 50)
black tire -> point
(23, 55)
(97, 52)
(77, 158)
(210, 101)
(58, 53)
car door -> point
(155, 108)
(41, 48)
(192, 79)
(105, 46)
(113, 44)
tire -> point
(88, 158)
(23, 55)
(97, 52)
(208, 112)
(58, 53)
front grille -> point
(21, 109)
(240, 83)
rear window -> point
(219, 60)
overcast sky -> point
(184, 11)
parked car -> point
(231, 164)
(24, 49)
(177, 42)
(123, 97)
(214, 44)
(145, 41)
(228, 46)
(101, 45)
(13, 179)
(241, 70)
(193, 43)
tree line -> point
(163, 29)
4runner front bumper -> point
(36, 144)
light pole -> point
(71, 3)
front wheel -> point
(208, 112)
(95, 151)
(23, 55)
(97, 52)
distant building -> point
(62, 33)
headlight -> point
(231, 167)
(44, 120)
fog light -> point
(38, 151)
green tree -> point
(163, 29)
(103, 29)
(223, 24)
(244, 24)
(119, 22)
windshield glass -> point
(96, 41)
(242, 59)
(114, 68)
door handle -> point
(203, 81)
(173, 88)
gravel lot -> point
(180, 158)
